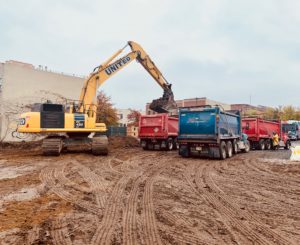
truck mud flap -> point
(214, 152)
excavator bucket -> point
(164, 104)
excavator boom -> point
(101, 73)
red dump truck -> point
(158, 131)
(260, 133)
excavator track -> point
(100, 145)
(52, 146)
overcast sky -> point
(226, 50)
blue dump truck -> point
(210, 132)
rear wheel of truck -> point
(234, 147)
(145, 148)
(222, 150)
(261, 145)
(175, 144)
(229, 149)
(268, 145)
(287, 145)
(184, 151)
(247, 147)
(170, 144)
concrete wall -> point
(1, 104)
(23, 85)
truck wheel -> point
(170, 144)
(234, 147)
(261, 145)
(222, 150)
(175, 144)
(144, 145)
(268, 145)
(247, 146)
(287, 145)
(184, 151)
(229, 149)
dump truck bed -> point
(158, 126)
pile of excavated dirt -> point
(116, 142)
(21, 145)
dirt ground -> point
(147, 197)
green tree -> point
(288, 113)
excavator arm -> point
(111, 67)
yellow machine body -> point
(30, 122)
(67, 125)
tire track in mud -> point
(33, 234)
(266, 191)
(63, 180)
(148, 212)
(60, 233)
(271, 174)
(231, 218)
(130, 214)
(266, 182)
(266, 234)
(106, 227)
(197, 187)
(182, 236)
(48, 177)
(95, 182)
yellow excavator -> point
(75, 123)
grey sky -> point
(225, 50)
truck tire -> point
(287, 145)
(175, 144)
(261, 145)
(170, 144)
(229, 149)
(234, 147)
(145, 148)
(222, 150)
(268, 145)
(144, 145)
(184, 151)
(247, 146)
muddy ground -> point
(147, 197)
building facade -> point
(123, 116)
(22, 84)
(203, 101)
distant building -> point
(123, 116)
(22, 84)
(133, 131)
(246, 108)
(203, 101)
